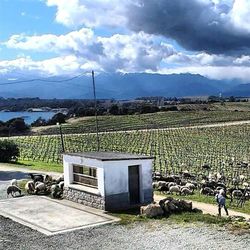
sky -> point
(70, 37)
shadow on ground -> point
(9, 175)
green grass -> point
(210, 200)
(41, 166)
(129, 216)
(133, 216)
(190, 217)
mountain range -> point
(124, 86)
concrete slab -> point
(50, 216)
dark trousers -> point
(219, 209)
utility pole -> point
(61, 134)
(96, 114)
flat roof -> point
(110, 156)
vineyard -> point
(148, 121)
(174, 150)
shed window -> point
(85, 175)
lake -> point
(29, 117)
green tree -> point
(9, 151)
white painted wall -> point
(68, 162)
(116, 176)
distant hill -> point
(239, 90)
(120, 86)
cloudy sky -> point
(68, 37)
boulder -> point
(186, 205)
(152, 210)
(197, 210)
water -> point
(28, 117)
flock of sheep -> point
(186, 184)
(39, 184)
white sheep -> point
(59, 179)
(186, 191)
(61, 185)
(170, 184)
(13, 190)
(30, 187)
(13, 182)
(174, 189)
(162, 183)
(190, 186)
(40, 187)
(237, 194)
(56, 191)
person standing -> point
(221, 201)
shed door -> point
(134, 185)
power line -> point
(41, 80)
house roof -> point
(110, 156)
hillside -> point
(119, 86)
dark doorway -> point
(134, 184)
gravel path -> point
(150, 235)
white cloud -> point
(82, 50)
(126, 53)
(67, 65)
(214, 72)
(240, 15)
(89, 13)
(73, 41)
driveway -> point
(50, 216)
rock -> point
(196, 210)
(186, 205)
(171, 206)
(152, 210)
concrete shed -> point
(108, 180)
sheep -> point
(217, 190)
(39, 187)
(56, 191)
(13, 182)
(13, 190)
(155, 185)
(162, 186)
(37, 177)
(162, 183)
(191, 186)
(48, 178)
(30, 187)
(186, 191)
(207, 191)
(170, 184)
(61, 185)
(237, 194)
(59, 179)
(174, 189)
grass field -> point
(174, 150)
(147, 121)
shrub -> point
(8, 151)
(57, 118)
